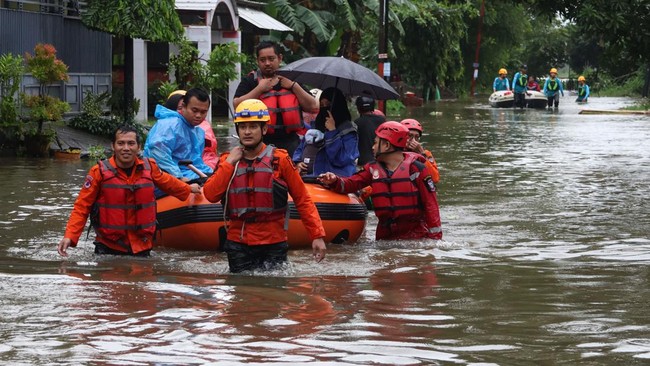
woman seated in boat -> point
(332, 145)
(533, 84)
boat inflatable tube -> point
(197, 224)
(502, 99)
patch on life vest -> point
(375, 173)
(429, 183)
(88, 182)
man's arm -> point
(168, 183)
(82, 206)
(429, 199)
(307, 101)
(215, 187)
(249, 89)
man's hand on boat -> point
(328, 178)
(318, 247)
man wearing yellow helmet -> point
(553, 88)
(583, 90)
(254, 181)
(501, 82)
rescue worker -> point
(285, 99)
(403, 192)
(583, 90)
(176, 136)
(210, 156)
(253, 181)
(501, 82)
(553, 88)
(335, 144)
(519, 82)
(367, 123)
(413, 144)
(120, 191)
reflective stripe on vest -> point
(118, 201)
(582, 91)
(260, 197)
(398, 195)
(552, 84)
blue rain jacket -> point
(172, 139)
(547, 87)
(501, 84)
(338, 155)
(517, 87)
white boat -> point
(535, 99)
(502, 99)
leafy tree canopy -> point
(155, 20)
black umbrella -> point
(351, 78)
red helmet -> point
(412, 124)
(394, 132)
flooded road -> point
(545, 261)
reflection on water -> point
(545, 261)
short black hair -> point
(365, 104)
(172, 102)
(266, 44)
(126, 129)
(198, 93)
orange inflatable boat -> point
(197, 224)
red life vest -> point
(285, 102)
(119, 200)
(397, 196)
(262, 198)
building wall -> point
(86, 52)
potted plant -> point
(46, 69)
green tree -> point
(149, 20)
(11, 73)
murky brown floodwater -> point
(545, 262)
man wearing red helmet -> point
(403, 192)
(413, 144)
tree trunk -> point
(128, 79)
(646, 86)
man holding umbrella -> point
(281, 95)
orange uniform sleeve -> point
(431, 162)
(301, 198)
(429, 200)
(215, 187)
(82, 205)
(168, 183)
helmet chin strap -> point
(380, 153)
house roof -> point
(207, 5)
(261, 20)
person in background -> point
(367, 124)
(413, 144)
(583, 90)
(285, 99)
(253, 182)
(553, 88)
(210, 156)
(519, 82)
(403, 192)
(501, 82)
(120, 194)
(332, 143)
(532, 84)
(176, 136)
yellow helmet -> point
(179, 91)
(553, 70)
(252, 110)
(581, 78)
(503, 71)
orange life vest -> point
(398, 195)
(117, 198)
(284, 102)
(262, 198)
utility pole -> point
(478, 48)
(383, 66)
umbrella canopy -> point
(351, 78)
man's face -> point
(268, 61)
(195, 111)
(125, 149)
(380, 146)
(251, 133)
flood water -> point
(545, 261)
